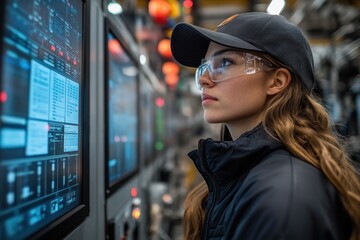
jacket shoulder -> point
(285, 197)
(287, 177)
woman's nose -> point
(205, 80)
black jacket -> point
(258, 190)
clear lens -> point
(230, 64)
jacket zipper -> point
(215, 192)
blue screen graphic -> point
(40, 82)
(122, 112)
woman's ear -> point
(279, 80)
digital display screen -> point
(40, 114)
(122, 155)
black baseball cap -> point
(255, 31)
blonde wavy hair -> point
(297, 119)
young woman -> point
(279, 170)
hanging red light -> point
(164, 48)
(170, 68)
(172, 79)
(188, 3)
(159, 10)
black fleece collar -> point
(229, 159)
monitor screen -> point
(122, 120)
(40, 114)
(147, 120)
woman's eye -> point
(226, 62)
(222, 62)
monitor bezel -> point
(65, 224)
(110, 27)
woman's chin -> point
(211, 119)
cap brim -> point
(189, 43)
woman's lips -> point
(206, 98)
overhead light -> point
(276, 6)
(142, 59)
(115, 8)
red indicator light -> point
(53, 48)
(160, 102)
(133, 192)
(3, 97)
(75, 62)
(61, 53)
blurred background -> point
(97, 118)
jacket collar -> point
(229, 159)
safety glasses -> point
(229, 64)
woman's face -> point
(238, 101)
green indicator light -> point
(159, 145)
